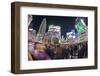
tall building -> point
(71, 37)
(54, 33)
(29, 19)
(82, 29)
(42, 30)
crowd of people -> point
(41, 51)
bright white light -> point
(30, 29)
(73, 36)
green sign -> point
(80, 26)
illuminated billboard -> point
(80, 26)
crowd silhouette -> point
(46, 51)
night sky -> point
(67, 23)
